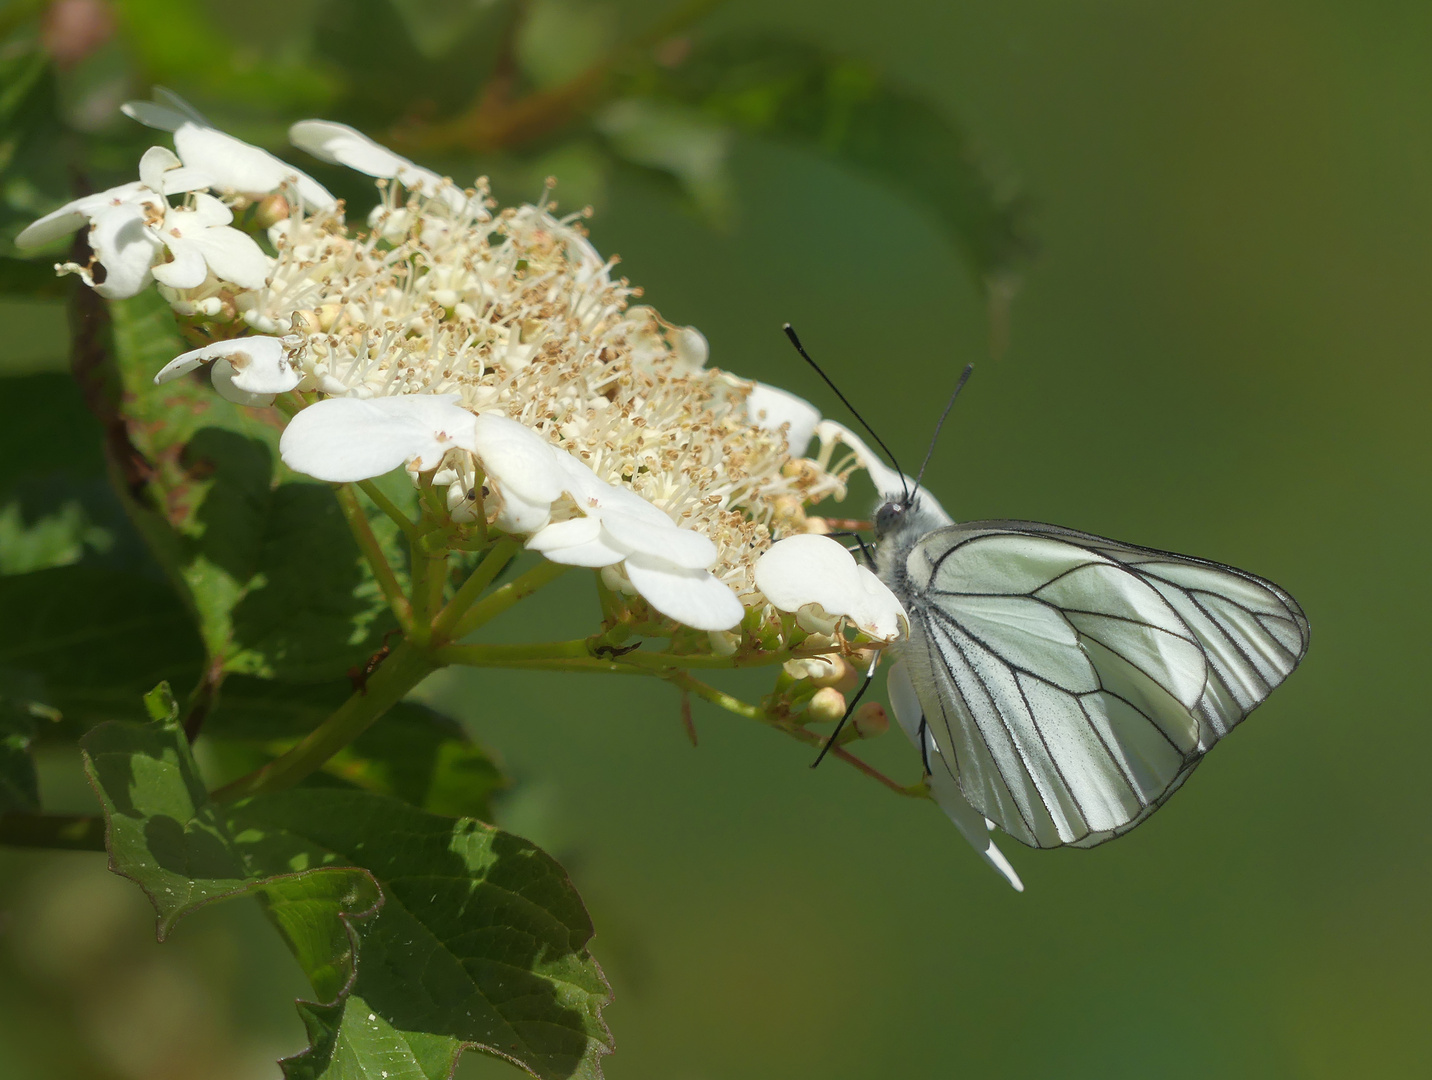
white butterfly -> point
(1060, 685)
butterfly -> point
(1061, 685)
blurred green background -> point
(1220, 348)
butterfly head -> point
(913, 511)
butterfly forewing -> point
(1073, 682)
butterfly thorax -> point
(900, 523)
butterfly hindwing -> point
(1073, 682)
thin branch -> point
(492, 123)
(357, 520)
(735, 705)
(482, 576)
(499, 600)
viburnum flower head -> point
(460, 342)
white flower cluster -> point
(491, 353)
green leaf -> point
(473, 939)
(91, 640)
(415, 753)
(276, 582)
(178, 44)
(851, 113)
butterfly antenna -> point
(796, 341)
(869, 675)
(964, 378)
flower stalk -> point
(402, 670)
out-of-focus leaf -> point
(851, 113)
(19, 785)
(674, 139)
(414, 753)
(34, 154)
(57, 539)
(276, 581)
(178, 44)
(478, 940)
(444, 57)
(30, 277)
(560, 39)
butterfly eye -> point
(887, 516)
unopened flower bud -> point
(870, 720)
(819, 669)
(271, 209)
(841, 676)
(828, 704)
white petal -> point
(345, 439)
(163, 117)
(879, 612)
(343, 145)
(694, 597)
(887, 480)
(905, 704)
(222, 375)
(690, 350)
(125, 247)
(517, 515)
(68, 218)
(518, 460)
(237, 166)
(340, 144)
(626, 501)
(580, 530)
(157, 160)
(52, 226)
(683, 547)
(811, 569)
(257, 364)
(209, 211)
(234, 256)
(577, 542)
(188, 270)
(769, 407)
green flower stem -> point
(67, 832)
(385, 504)
(404, 668)
(499, 600)
(501, 554)
(373, 552)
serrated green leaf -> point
(349, 1041)
(415, 753)
(853, 114)
(477, 939)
